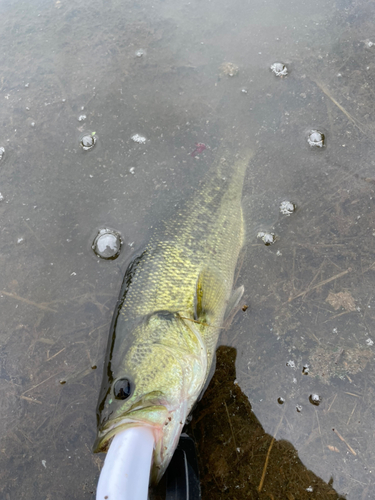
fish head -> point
(154, 383)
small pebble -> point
(279, 69)
(316, 139)
(139, 139)
(287, 208)
(267, 238)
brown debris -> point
(333, 448)
(344, 441)
(341, 299)
(329, 362)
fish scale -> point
(209, 229)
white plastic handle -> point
(126, 471)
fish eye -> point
(122, 388)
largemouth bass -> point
(175, 297)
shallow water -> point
(162, 70)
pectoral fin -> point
(209, 295)
(233, 302)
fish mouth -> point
(166, 426)
(153, 417)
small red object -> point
(199, 148)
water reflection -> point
(237, 458)
(156, 69)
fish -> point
(175, 298)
